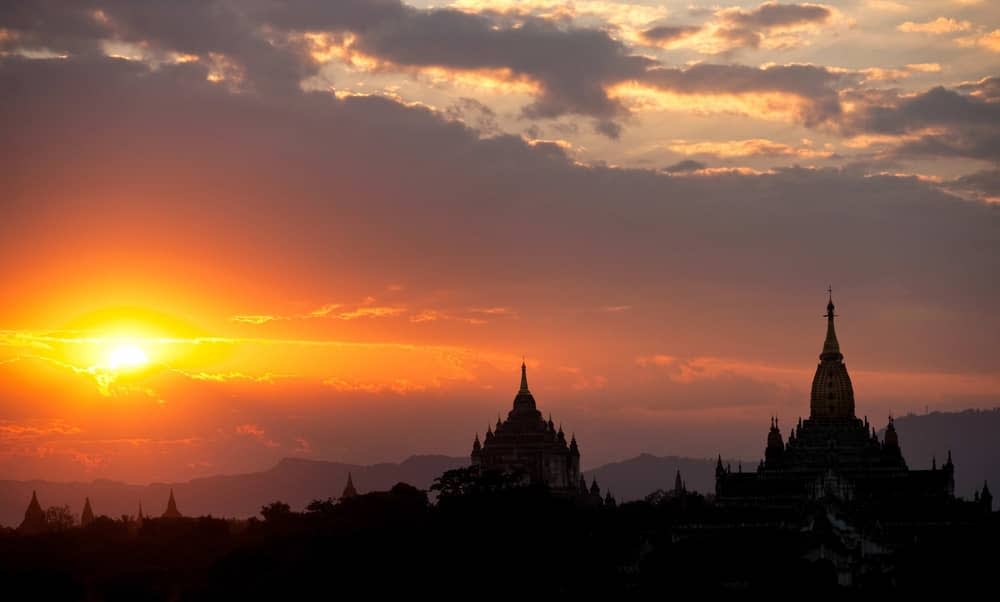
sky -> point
(232, 232)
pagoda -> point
(349, 490)
(833, 452)
(527, 444)
(34, 518)
(172, 511)
(87, 516)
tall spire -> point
(832, 392)
(831, 348)
(349, 490)
(34, 517)
(172, 511)
(87, 516)
(524, 378)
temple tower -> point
(172, 511)
(832, 393)
(34, 518)
(87, 516)
(349, 490)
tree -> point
(474, 481)
(322, 506)
(59, 518)
(276, 511)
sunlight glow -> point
(127, 357)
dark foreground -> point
(492, 540)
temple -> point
(833, 452)
(172, 511)
(87, 516)
(34, 518)
(349, 490)
(526, 443)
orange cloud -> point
(330, 310)
(325, 47)
(990, 41)
(256, 432)
(776, 106)
(746, 148)
(398, 386)
(9, 430)
(939, 26)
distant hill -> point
(294, 481)
(637, 477)
(973, 436)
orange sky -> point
(223, 245)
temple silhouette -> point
(528, 444)
(172, 511)
(832, 453)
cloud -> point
(570, 65)
(685, 165)
(990, 41)
(771, 25)
(665, 35)
(941, 25)
(398, 386)
(772, 15)
(333, 311)
(983, 185)
(256, 432)
(746, 148)
(803, 93)
(960, 122)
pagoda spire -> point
(87, 516)
(524, 378)
(34, 517)
(831, 347)
(349, 490)
(172, 511)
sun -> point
(127, 357)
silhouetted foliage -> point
(276, 511)
(59, 518)
(496, 535)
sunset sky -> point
(232, 232)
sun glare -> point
(127, 357)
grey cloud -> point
(685, 165)
(669, 33)
(960, 124)
(980, 184)
(772, 14)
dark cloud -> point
(572, 66)
(685, 165)
(987, 89)
(981, 184)
(938, 122)
(772, 14)
(474, 114)
(668, 33)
